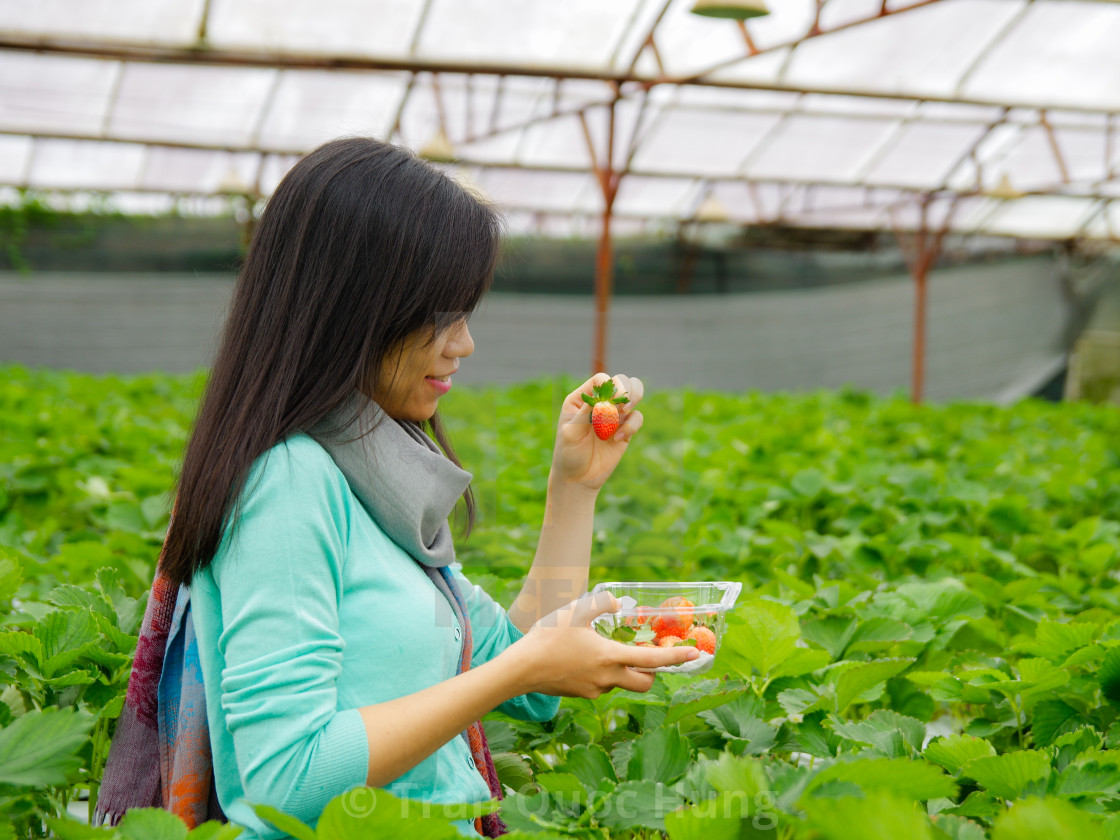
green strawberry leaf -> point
(1012, 775)
(41, 747)
(955, 751)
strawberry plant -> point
(927, 644)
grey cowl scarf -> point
(403, 480)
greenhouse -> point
(843, 275)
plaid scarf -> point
(160, 755)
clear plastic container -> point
(669, 614)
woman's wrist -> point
(514, 669)
(573, 493)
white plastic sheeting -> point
(1002, 115)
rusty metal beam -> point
(229, 58)
(485, 164)
(1052, 138)
(649, 37)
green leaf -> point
(1109, 674)
(1089, 778)
(591, 765)
(289, 825)
(833, 633)
(737, 774)
(67, 635)
(892, 734)
(40, 748)
(564, 788)
(659, 755)
(16, 643)
(864, 677)
(680, 710)
(959, 828)
(740, 719)
(712, 819)
(500, 736)
(760, 635)
(802, 661)
(374, 813)
(878, 816)
(911, 779)
(980, 804)
(1056, 640)
(152, 824)
(1045, 819)
(1051, 718)
(11, 573)
(955, 751)
(1013, 774)
(67, 828)
(638, 803)
(622, 633)
(215, 830)
(513, 770)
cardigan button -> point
(458, 634)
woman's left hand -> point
(580, 458)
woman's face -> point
(418, 372)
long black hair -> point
(362, 244)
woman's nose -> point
(460, 343)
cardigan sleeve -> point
(493, 632)
(280, 582)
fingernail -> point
(692, 653)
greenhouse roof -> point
(982, 116)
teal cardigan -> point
(309, 612)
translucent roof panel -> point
(1058, 53)
(673, 197)
(681, 140)
(197, 170)
(575, 33)
(819, 148)
(54, 93)
(85, 165)
(924, 51)
(1042, 216)
(922, 154)
(316, 27)
(181, 103)
(309, 107)
(15, 154)
(132, 21)
(847, 113)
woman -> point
(338, 643)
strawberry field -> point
(927, 644)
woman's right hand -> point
(562, 655)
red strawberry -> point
(641, 617)
(669, 641)
(705, 638)
(604, 409)
(676, 620)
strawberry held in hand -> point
(604, 409)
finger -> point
(629, 426)
(651, 657)
(629, 386)
(633, 680)
(593, 604)
(576, 414)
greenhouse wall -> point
(992, 328)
